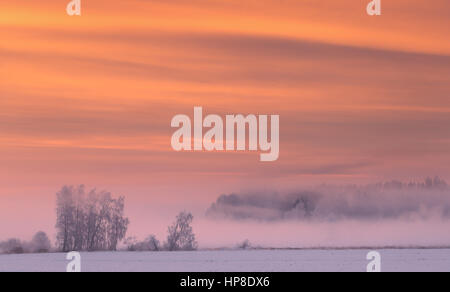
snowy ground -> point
(236, 261)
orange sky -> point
(89, 99)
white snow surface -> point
(351, 260)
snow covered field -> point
(236, 261)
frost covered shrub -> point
(12, 246)
(244, 245)
(39, 244)
(149, 244)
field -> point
(395, 260)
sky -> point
(89, 99)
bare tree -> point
(64, 217)
(181, 236)
(99, 216)
(79, 218)
(93, 221)
(153, 243)
(118, 224)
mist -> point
(343, 234)
(383, 201)
(391, 214)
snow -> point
(394, 260)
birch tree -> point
(180, 234)
(93, 221)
